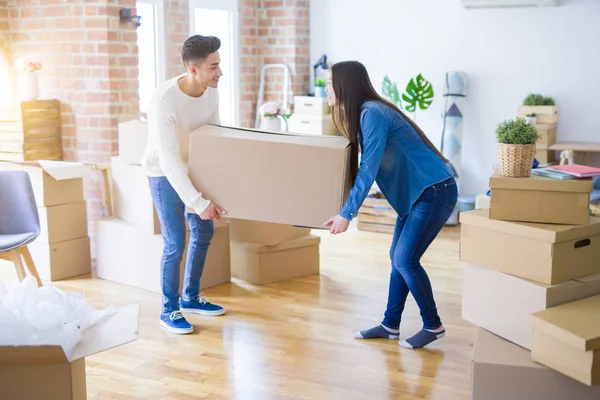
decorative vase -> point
(270, 124)
(516, 160)
(320, 91)
(30, 86)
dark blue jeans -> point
(171, 213)
(412, 236)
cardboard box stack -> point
(531, 284)
(546, 122)
(63, 248)
(130, 244)
(377, 215)
(312, 115)
(264, 252)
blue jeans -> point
(412, 236)
(171, 213)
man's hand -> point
(213, 212)
(338, 224)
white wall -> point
(507, 53)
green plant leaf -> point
(390, 90)
(516, 131)
(418, 92)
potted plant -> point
(543, 107)
(271, 116)
(320, 87)
(531, 118)
(516, 147)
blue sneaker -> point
(201, 306)
(175, 322)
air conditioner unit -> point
(508, 3)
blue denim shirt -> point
(395, 156)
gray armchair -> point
(19, 221)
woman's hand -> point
(338, 224)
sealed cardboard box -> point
(264, 232)
(544, 156)
(502, 303)
(544, 114)
(63, 222)
(540, 199)
(288, 179)
(547, 134)
(259, 264)
(45, 372)
(504, 371)
(133, 136)
(311, 106)
(132, 200)
(319, 125)
(566, 338)
(130, 256)
(54, 182)
(62, 260)
(544, 253)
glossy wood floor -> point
(292, 340)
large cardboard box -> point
(259, 264)
(504, 371)
(566, 338)
(544, 253)
(264, 232)
(132, 257)
(544, 114)
(133, 136)
(288, 179)
(54, 182)
(547, 134)
(62, 260)
(45, 372)
(63, 222)
(502, 303)
(540, 199)
(132, 199)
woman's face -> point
(329, 90)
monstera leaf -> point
(390, 90)
(418, 92)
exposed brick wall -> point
(5, 51)
(89, 62)
(177, 26)
(248, 59)
(281, 37)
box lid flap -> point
(492, 349)
(336, 142)
(118, 329)
(576, 323)
(589, 278)
(544, 232)
(30, 355)
(535, 182)
(304, 241)
(59, 170)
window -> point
(151, 54)
(219, 18)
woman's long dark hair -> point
(352, 87)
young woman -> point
(415, 179)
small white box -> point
(311, 106)
(311, 125)
(133, 136)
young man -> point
(178, 107)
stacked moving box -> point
(312, 115)
(130, 245)
(264, 252)
(531, 283)
(63, 248)
(546, 122)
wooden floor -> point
(292, 340)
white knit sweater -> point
(172, 116)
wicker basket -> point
(516, 160)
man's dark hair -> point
(197, 48)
